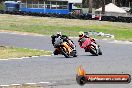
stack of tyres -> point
(105, 18)
(45, 15)
(128, 19)
(28, 13)
(8, 12)
(66, 16)
(74, 16)
(41, 15)
(2, 12)
(113, 19)
(87, 16)
(24, 13)
(117, 19)
(63, 15)
(78, 16)
(121, 19)
(56, 15)
(17, 13)
(69, 16)
(125, 19)
(82, 16)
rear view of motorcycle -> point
(62, 47)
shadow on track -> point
(62, 57)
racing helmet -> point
(58, 33)
(81, 34)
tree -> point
(90, 5)
(113, 1)
(84, 3)
(101, 3)
(103, 7)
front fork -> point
(95, 45)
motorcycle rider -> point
(82, 38)
(65, 39)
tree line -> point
(98, 3)
(101, 3)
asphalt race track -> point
(61, 71)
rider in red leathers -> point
(82, 39)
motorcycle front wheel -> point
(64, 52)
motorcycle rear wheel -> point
(100, 52)
(94, 51)
(75, 53)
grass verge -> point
(70, 27)
(25, 86)
(12, 52)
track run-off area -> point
(58, 71)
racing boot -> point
(56, 52)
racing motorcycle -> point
(90, 46)
(63, 48)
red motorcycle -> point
(90, 46)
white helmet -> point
(58, 33)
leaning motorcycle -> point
(64, 48)
(90, 46)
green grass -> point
(70, 27)
(12, 52)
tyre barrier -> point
(125, 19)
(70, 16)
(109, 18)
(117, 19)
